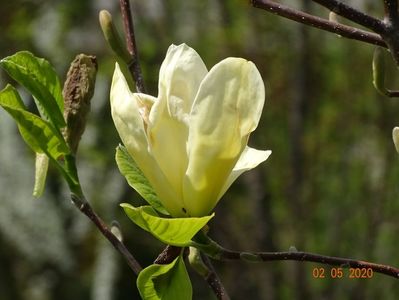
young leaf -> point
(136, 179)
(36, 132)
(40, 79)
(10, 97)
(166, 282)
(41, 168)
(171, 231)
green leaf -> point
(166, 282)
(40, 79)
(41, 168)
(10, 97)
(172, 231)
(136, 179)
(37, 133)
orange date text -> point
(339, 273)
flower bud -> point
(78, 91)
(112, 36)
(395, 137)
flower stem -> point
(79, 200)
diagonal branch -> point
(134, 65)
(323, 24)
(214, 281)
(168, 255)
(86, 209)
(353, 15)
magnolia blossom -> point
(191, 141)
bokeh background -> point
(330, 186)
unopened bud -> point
(112, 36)
(395, 137)
(78, 91)
(333, 17)
(116, 230)
(41, 167)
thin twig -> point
(168, 255)
(314, 21)
(214, 281)
(134, 65)
(391, 12)
(85, 208)
(353, 15)
(211, 248)
(392, 93)
(225, 254)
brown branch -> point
(134, 65)
(320, 23)
(208, 246)
(391, 12)
(353, 15)
(85, 208)
(392, 93)
(213, 280)
(225, 254)
(168, 255)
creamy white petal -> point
(125, 110)
(226, 109)
(249, 159)
(180, 76)
(126, 115)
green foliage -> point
(42, 134)
(136, 179)
(37, 133)
(166, 282)
(172, 231)
(39, 78)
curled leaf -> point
(171, 231)
(166, 282)
(136, 179)
(41, 167)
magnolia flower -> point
(191, 141)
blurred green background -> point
(330, 186)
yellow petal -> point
(249, 159)
(127, 110)
(179, 79)
(180, 76)
(226, 109)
